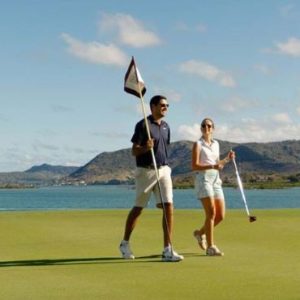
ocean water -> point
(122, 197)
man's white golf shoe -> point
(169, 255)
(125, 250)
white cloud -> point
(281, 118)
(171, 95)
(291, 47)
(95, 52)
(236, 103)
(21, 159)
(208, 72)
(248, 130)
(129, 31)
(190, 133)
(298, 110)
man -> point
(146, 180)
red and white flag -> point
(133, 82)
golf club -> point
(240, 184)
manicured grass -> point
(74, 255)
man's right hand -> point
(150, 144)
(139, 150)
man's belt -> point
(152, 167)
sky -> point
(63, 62)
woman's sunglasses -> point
(206, 125)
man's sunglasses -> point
(164, 105)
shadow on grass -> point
(80, 261)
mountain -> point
(255, 159)
(45, 168)
(37, 175)
(107, 167)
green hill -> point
(256, 161)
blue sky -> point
(63, 65)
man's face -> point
(160, 109)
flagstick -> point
(155, 168)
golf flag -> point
(133, 82)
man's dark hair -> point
(155, 100)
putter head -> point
(252, 219)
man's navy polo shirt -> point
(160, 134)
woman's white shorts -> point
(209, 184)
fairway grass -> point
(74, 255)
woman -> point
(208, 185)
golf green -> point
(75, 255)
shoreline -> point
(183, 185)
